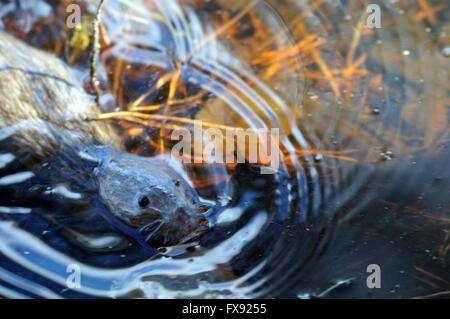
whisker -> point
(153, 232)
(148, 226)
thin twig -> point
(437, 294)
(95, 52)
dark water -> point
(364, 177)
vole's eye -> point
(143, 201)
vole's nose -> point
(184, 218)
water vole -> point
(43, 108)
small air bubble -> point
(318, 158)
(446, 51)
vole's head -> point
(147, 195)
